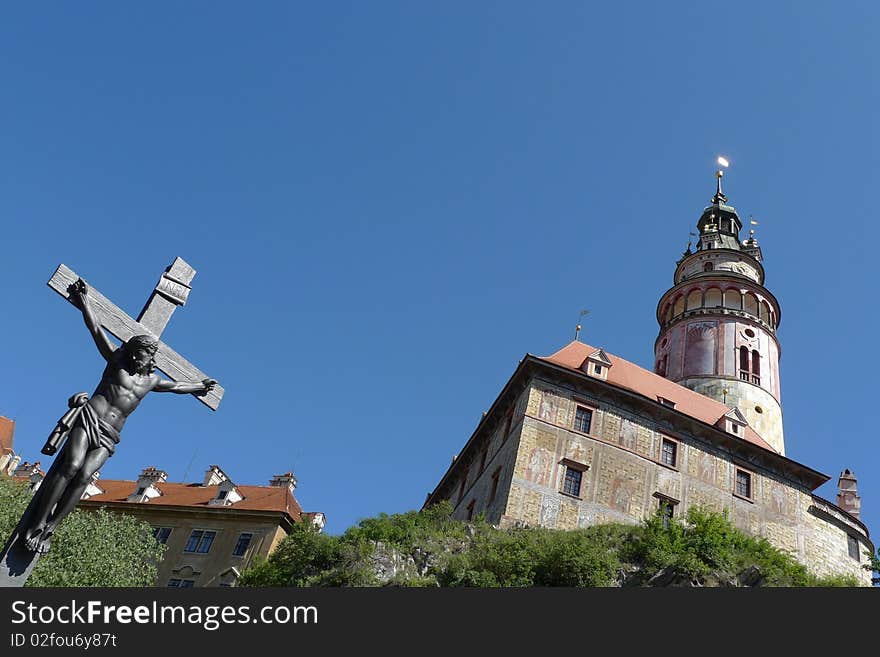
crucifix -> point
(88, 433)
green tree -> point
(90, 548)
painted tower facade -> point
(718, 323)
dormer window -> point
(227, 494)
(733, 422)
(597, 364)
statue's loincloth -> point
(98, 431)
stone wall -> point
(500, 447)
(624, 479)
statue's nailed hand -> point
(209, 384)
(78, 291)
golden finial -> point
(719, 195)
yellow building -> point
(214, 529)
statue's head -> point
(141, 350)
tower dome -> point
(718, 322)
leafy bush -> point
(428, 548)
(89, 548)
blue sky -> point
(389, 204)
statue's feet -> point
(38, 540)
(33, 539)
(45, 543)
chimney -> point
(7, 430)
(214, 476)
(13, 464)
(848, 493)
(27, 469)
(286, 479)
(153, 475)
(146, 485)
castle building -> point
(583, 436)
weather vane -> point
(577, 330)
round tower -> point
(718, 323)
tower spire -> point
(719, 197)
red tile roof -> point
(630, 376)
(256, 498)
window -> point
(572, 483)
(667, 511)
(707, 266)
(597, 369)
(743, 484)
(161, 534)
(756, 367)
(470, 509)
(140, 490)
(483, 458)
(661, 366)
(734, 428)
(669, 452)
(507, 424)
(181, 583)
(852, 545)
(461, 488)
(495, 477)
(200, 541)
(666, 508)
(744, 363)
(222, 494)
(244, 540)
(583, 418)
(666, 402)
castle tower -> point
(718, 323)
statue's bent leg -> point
(93, 461)
(53, 487)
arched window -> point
(695, 299)
(733, 299)
(713, 297)
(765, 312)
(750, 304)
(756, 367)
(725, 225)
(679, 307)
(744, 363)
(669, 312)
(708, 267)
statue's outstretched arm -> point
(184, 387)
(79, 294)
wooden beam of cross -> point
(171, 291)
